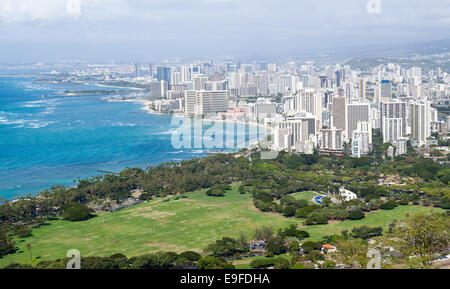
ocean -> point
(48, 138)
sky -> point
(145, 30)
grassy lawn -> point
(186, 224)
(178, 225)
(305, 196)
(379, 218)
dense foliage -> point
(271, 183)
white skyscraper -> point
(395, 110)
(420, 122)
(392, 129)
(203, 102)
(294, 131)
(360, 143)
(332, 139)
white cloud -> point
(32, 10)
(19, 11)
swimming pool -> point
(318, 200)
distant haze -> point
(145, 30)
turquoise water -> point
(47, 138)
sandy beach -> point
(122, 87)
(252, 143)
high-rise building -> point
(362, 89)
(310, 101)
(204, 102)
(158, 90)
(264, 109)
(294, 131)
(264, 66)
(332, 139)
(339, 113)
(175, 77)
(338, 78)
(137, 70)
(200, 82)
(386, 89)
(323, 81)
(394, 110)
(355, 113)
(348, 88)
(420, 122)
(150, 70)
(392, 129)
(163, 73)
(360, 143)
(191, 107)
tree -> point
(226, 247)
(276, 246)
(306, 211)
(310, 246)
(289, 211)
(262, 263)
(353, 252)
(292, 231)
(329, 264)
(420, 237)
(7, 246)
(29, 252)
(356, 215)
(22, 231)
(366, 232)
(315, 256)
(293, 247)
(263, 233)
(75, 212)
(264, 196)
(389, 205)
(191, 256)
(242, 189)
(209, 262)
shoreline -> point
(122, 87)
(250, 142)
(146, 108)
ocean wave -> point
(168, 132)
(6, 121)
(22, 123)
(39, 124)
(48, 110)
(121, 124)
(42, 103)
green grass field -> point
(305, 196)
(379, 218)
(178, 225)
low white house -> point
(347, 195)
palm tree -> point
(29, 251)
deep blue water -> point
(47, 138)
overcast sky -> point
(142, 30)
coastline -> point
(146, 108)
(65, 176)
(122, 87)
(253, 143)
